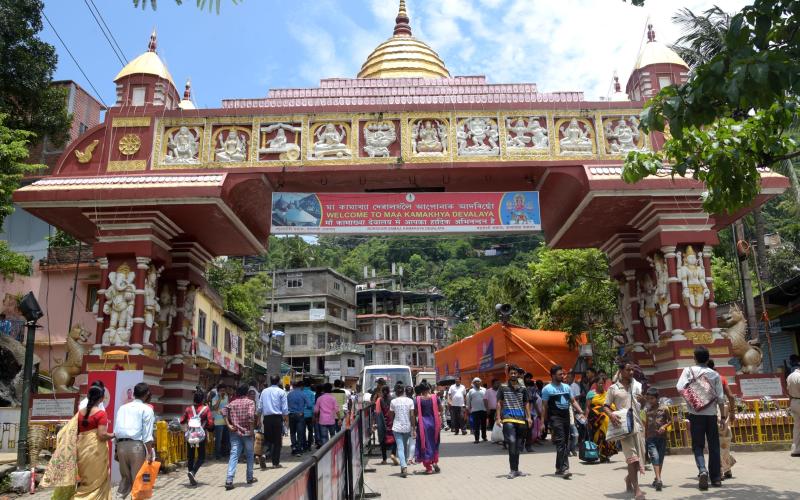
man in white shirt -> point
(401, 410)
(456, 399)
(133, 428)
(476, 407)
(793, 388)
(704, 421)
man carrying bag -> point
(133, 429)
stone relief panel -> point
(379, 139)
(478, 136)
(280, 141)
(231, 143)
(576, 137)
(622, 135)
(527, 135)
(429, 137)
(182, 145)
(329, 140)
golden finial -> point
(151, 46)
(402, 8)
(124, 268)
(187, 90)
(401, 26)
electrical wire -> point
(109, 31)
(103, 31)
(80, 68)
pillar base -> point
(677, 334)
(179, 382)
(670, 358)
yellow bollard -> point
(162, 440)
(757, 406)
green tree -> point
(462, 330)
(731, 117)
(61, 239)
(12, 263)
(13, 150)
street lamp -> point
(29, 308)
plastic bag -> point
(497, 433)
(145, 480)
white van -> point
(392, 374)
(429, 376)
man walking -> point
(703, 422)
(308, 413)
(240, 416)
(275, 409)
(557, 399)
(325, 411)
(514, 413)
(219, 400)
(133, 429)
(456, 396)
(476, 407)
(297, 423)
(490, 400)
(793, 388)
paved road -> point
(472, 471)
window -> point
(201, 325)
(298, 339)
(337, 285)
(421, 333)
(82, 127)
(239, 346)
(394, 357)
(387, 329)
(395, 331)
(413, 333)
(297, 307)
(91, 297)
(320, 341)
(137, 96)
(294, 282)
(228, 340)
(368, 355)
(351, 363)
(214, 334)
(664, 81)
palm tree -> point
(703, 35)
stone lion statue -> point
(64, 374)
(747, 351)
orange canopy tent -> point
(485, 353)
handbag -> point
(698, 392)
(497, 433)
(145, 481)
(588, 451)
(626, 425)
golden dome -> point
(403, 56)
(148, 63)
(655, 52)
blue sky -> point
(261, 44)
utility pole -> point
(271, 326)
(744, 272)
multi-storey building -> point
(316, 309)
(400, 326)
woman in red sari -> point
(429, 428)
(384, 422)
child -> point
(655, 436)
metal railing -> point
(755, 422)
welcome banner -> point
(387, 213)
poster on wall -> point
(119, 390)
(486, 354)
(387, 213)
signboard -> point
(486, 355)
(386, 213)
(756, 387)
(119, 390)
(331, 480)
(53, 406)
(316, 314)
(205, 351)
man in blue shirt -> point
(275, 408)
(557, 398)
(297, 422)
(308, 413)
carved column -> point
(680, 322)
(101, 300)
(175, 345)
(710, 311)
(639, 334)
(137, 332)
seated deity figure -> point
(575, 140)
(330, 142)
(183, 147)
(233, 148)
(692, 276)
(280, 143)
(428, 138)
(539, 133)
(623, 137)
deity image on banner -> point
(575, 137)
(520, 209)
(231, 144)
(182, 145)
(478, 136)
(429, 137)
(622, 135)
(527, 135)
(379, 136)
(280, 141)
(330, 140)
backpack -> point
(195, 434)
(588, 451)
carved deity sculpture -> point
(63, 375)
(429, 137)
(188, 320)
(151, 306)
(625, 311)
(623, 138)
(575, 139)
(233, 148)
(478, 136)
(379, 136)
(330, 142)
(120, 295)
(659, 265)
(692, 276)
(183, 146)
(527, 134)
(648, 307)
(166, 314)
(280, 144)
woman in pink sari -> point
(429, 428)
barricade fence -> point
(334, 472)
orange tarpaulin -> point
(486, 353)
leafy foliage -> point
(61, 240)
(201, 4)
(12, 263)
(13, 150)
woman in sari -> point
(384, 423)
(598, 420)
(81, 455)
(429, 427)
